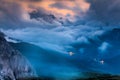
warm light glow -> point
(72, 6)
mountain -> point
(13, 65)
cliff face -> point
(12, 64)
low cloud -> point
(57, 39)
(104, 47)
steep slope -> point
(12, 64)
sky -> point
(58, 23)
(54, 13)
(17, 12)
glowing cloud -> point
(58, 7)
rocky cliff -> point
(12, 64)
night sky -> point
(85, 31)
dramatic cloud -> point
(73, 5)
(17, 13)
(57, 39)
(50, 17)
(106, 11)
(54, 13)
(57, 25)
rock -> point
(12, 64)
